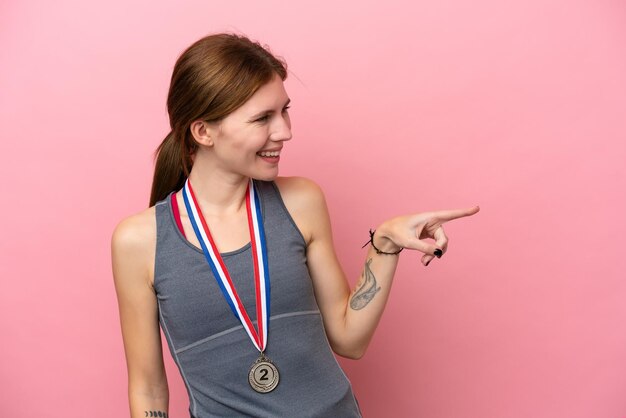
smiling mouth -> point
(269, 154)
(270, 159)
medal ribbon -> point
(220, 272)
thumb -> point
(426, 259)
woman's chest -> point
(194, 305)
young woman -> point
(236, 264)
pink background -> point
(397, 107)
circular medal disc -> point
(263, 376)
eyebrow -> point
(269, 111)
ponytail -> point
(172, 168)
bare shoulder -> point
(133, 243)
(299, 188)
(304, 199)
(135, 231)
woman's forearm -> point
(144, 404)
(369, 297)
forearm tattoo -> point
(366, 289)
(156, 414)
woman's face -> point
(249, 140)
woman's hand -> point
(409, 231)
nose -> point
(282, 129)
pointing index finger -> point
(448, 215)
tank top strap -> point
(177, 214)
(275, 212)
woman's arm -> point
(351, 316)
(132, 250)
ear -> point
(202, 132)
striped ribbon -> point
(220, 272)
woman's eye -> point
(266, 117)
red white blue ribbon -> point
(259, 255)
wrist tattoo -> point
(156, 414)
(366, 290)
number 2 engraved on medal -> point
(262, 372)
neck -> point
(217, 192)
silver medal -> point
(263, 376)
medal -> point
(263, 375)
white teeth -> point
(269, 153)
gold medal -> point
(263, 376)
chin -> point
(271, 176)
(265, 178)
